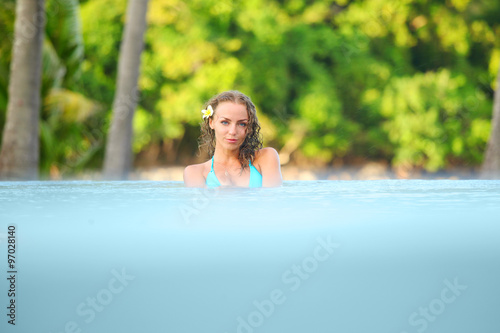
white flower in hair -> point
(208, 112)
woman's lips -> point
(232, 140)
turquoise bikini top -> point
(255, 177)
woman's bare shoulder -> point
(195, 167)
(268, 160)
(266, 154)
(195, 174)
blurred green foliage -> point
(7, 10)
(407, 81)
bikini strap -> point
(212, 168)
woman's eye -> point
(243, 124)
(224, 122)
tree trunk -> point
(491, 165)
(20, 143)
(118, 156)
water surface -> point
(316, 256)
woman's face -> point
(230, 122)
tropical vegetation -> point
(410, 82)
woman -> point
(231, 133)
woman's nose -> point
(232, 129)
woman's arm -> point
(269, 163)
(193, 176)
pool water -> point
(309, 257)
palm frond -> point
(53, 70)
(65, 32)
(73, 106)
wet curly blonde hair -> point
(253, 140)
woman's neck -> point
(227, 157)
